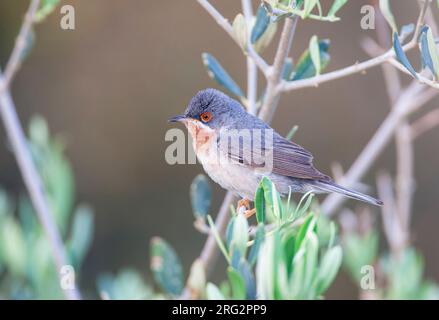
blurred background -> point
(109, 86)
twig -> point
(356, 68)
(394, 229)
(275, 75)
(252, 72)
(404, 147)
(223, 22)
(421, 18)
(407, 103)
(18, 142)
(424, 124)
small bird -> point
(212, 114)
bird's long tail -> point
(330, 186)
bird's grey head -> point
(212, 108)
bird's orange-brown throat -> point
(201, 135)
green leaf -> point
(201, 196)
(272, 198)
(259, 239)
(213, 293)
(261, 24)
(260, 204)
(336, 6)
(246, 273)
(13, 246)
(240, 31)
(307, 227)
(237, 283)
(288, 69)
(328, 269)
(218, 239)
(46, 8)
(166, 267)
(216, 72)
(305, 66)
(126, 285)
(240, 234)
(292, 132)
(400, 54)
(311, 254)
(429, 51)
(388, 15)
(314, 50)
(197, 278)
(308, 7)
(359, 250)
(265, 270)
(81, 234)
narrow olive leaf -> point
(336, 6)
(272, 198)
(45, 9)
(240, 234)
(260, 204)
(265, 270)
(259, 239)
(311, 255)
(229, 232)
(246, 273)
(388, 15)
(433, 51)
(237, 283)
(267, 6)
(314, 50)
(305, 67)
(307, 227)
(292, 132)
(81, 234)
(400, 54)
(288, 69)
(266, 38)
(197, 279)
(166, 267)
(308, 7)
(261, 24)
(201, 196)
(13, 246)
(328, 269)
(240, 31)
(213, 293)
(216, 72)
(218, 239)
(427, 60)
(302, 207)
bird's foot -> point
(245, 203)
(249, 213)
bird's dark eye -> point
(206, 116)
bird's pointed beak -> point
(179, 118)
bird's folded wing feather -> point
(289, 159)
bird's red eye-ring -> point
(206, 116)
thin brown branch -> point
(275, 75)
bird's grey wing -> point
(291, 160)
(286, 158)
